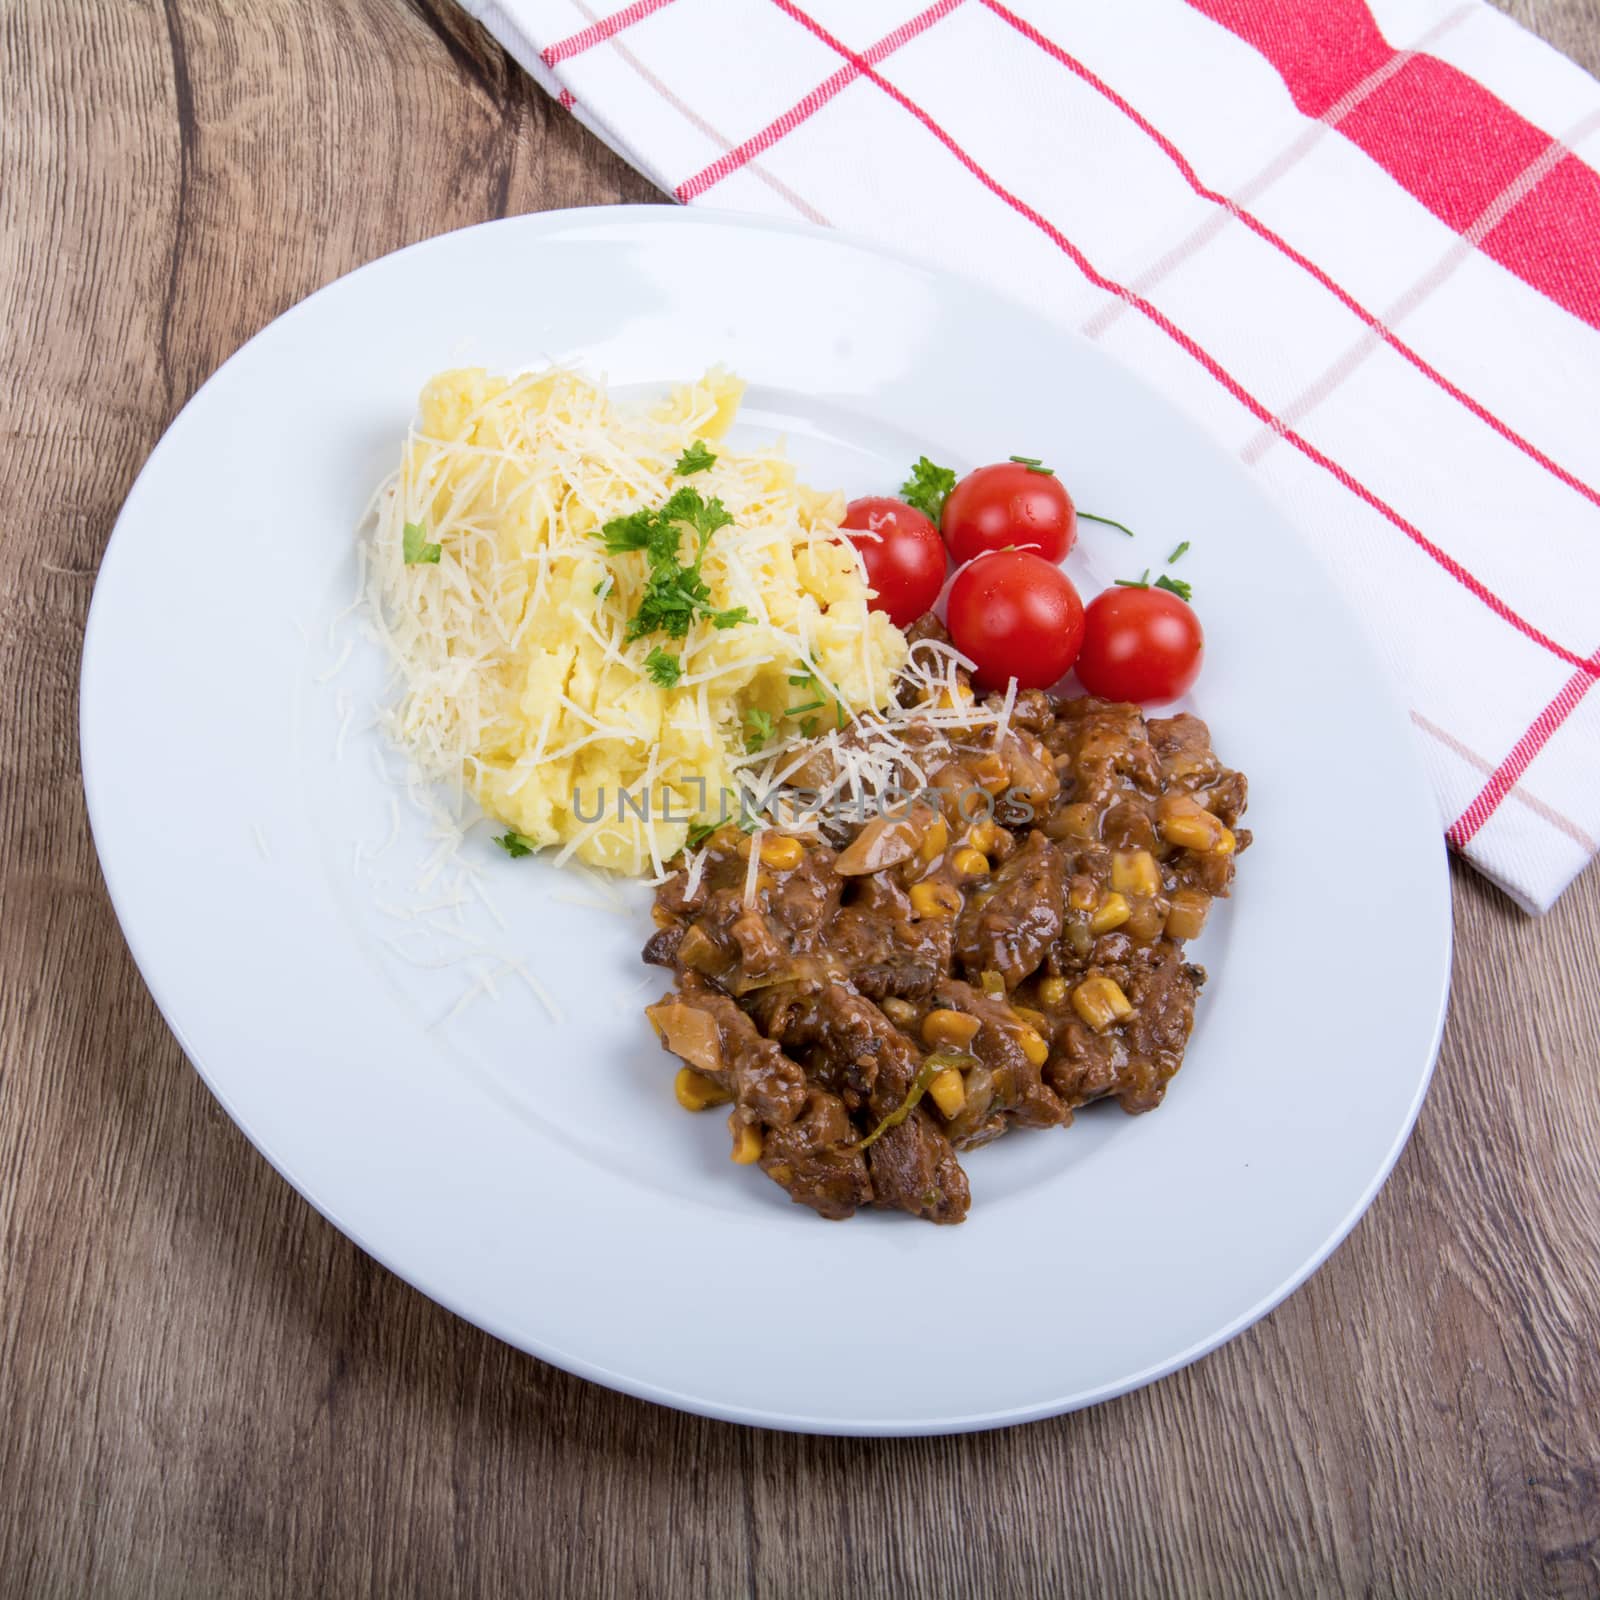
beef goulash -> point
(871, 998)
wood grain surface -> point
(206, 1390)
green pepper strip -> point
(930, 1069)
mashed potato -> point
(509, 620)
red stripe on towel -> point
(791, 119)
(598, 32)
(1504, 777)
(1444, 137)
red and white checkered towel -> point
(1358, 239)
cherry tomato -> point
(1007, 504)
(1140, 644)
(902, 552)
(1018, 616)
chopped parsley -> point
(927, 487)
(1110, 522)
(415, 547)
(1134, 583)
(516, 844)
(663, 670)
(762, 729)
(1177, 586)
(695, 459)
(1178, 552)
(675, 594)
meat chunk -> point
(846, 1039)
(880, 944)
(751, 1070)
(1015, 1088)
(914, 1168)
(816, 1159)
(1008, 927)
(1133, 1062)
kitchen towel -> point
(1359, 240)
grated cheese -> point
(517, 684)
(753, 867)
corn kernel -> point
(1052, 991)
(985, 836)
(782, 854)
(970, 863)
(935, 841)
(935, 899)
(1033, 1046)
(1079, 820)
(900, 1012)
(1084, 895)
(991, 772)
(746, 1141)
(695, 1091)
(945, 701)
(948, 1092)
(1114, 910)
(1226, 843)
(1186, 917)
(1034, 1019)
(992, 983)
(1148, 922)
(1100, 1002)
(1189, 833)
(1188, 825)
(1135, 872)
(949, 1030)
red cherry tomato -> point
(902, 552)
(1008, 504)
(1140, 644)
(1018, 616)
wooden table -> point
(206, 1390)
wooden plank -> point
(209, 1391)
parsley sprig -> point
(1178, 586)
(675, 594)
(415, 548)
(927, 487)
(663, 669)
(762, 729)
(516, 844)
(695, 459)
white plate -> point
(537, 1177)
